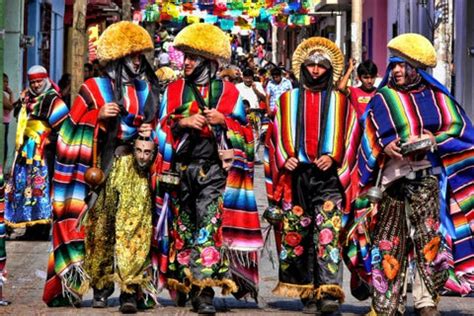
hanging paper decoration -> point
(152, 13)
(297, 19)
(193, 19)
(235, 5)
(247, 4)
(255, 12)
(210, 19)
(171, 10)
(281, 20)
(264, 15)
(243, 23)
(220, 8)
(206, 4)
(227, 24)
(145, 3)
(137, 16)
(236, 13)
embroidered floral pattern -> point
(379, 281)
(200, 252)
(431, 249)
(305, 221)
(297, 210)
(328, 206)
(385, 245)
(27, 194)
(293, 239)
(184, 256)
(325, 236)
(390, 266)
(296, 227)
(388, 256)
(209, 256)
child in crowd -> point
(361, 95)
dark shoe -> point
(181, 299)
(99, 299)
(206, 309)
(328, 305)
(99, 302)
(38, 232)
(202, 303)
(309, 306)
(427, 311)
(128, 303)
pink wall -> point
(377, 10)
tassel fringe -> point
(28, 224)
(125, 285)
(228, 286)
(331, 289)
(142, 281)
(372, 312)
(75, 282)
(294, 290)
(308, 291)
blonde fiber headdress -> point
(204, 40)
(416, 49)
(165, 74)
(121, 39)
(323, 46)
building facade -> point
(464, 55)
(44, 21)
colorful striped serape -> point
(328, 134)
(241, 227)
(66, 278)
(393, 114)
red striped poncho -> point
(66, 280)
(241, 227)
(317, 139)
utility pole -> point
(442, 38)
(356, 31)
(126, 10)
(78, 45)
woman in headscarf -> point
(419, 142)
(28, 190)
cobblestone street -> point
(26, 273)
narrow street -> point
(26, 267)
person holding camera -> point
(41, 114)
(417, 146)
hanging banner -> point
(210, 19)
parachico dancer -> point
(206, 147)
(102, 180)
(305, 147)
(415, 166)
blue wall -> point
(57, 35)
